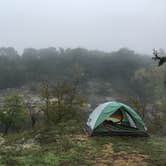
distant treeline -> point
(35, 65)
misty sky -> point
(94, 24)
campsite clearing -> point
(48, 146)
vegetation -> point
(52, 146)
(12, 113)
(64, 82)
(61, 102)
(51, 64)
(156, 57)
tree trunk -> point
(6, 129)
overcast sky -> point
(94, 24)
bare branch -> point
(156, 57)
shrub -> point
(12, 113)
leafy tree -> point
(62, 100)
(12, 114)
(147, 87)
(9, 52)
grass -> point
(53, 146)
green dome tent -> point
(115, 118)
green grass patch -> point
(62, 147)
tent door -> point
(131, 121)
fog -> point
(94, 24)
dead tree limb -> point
(161, 59)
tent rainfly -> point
(115, 118)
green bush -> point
(12, 113)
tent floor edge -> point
(134, 134)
